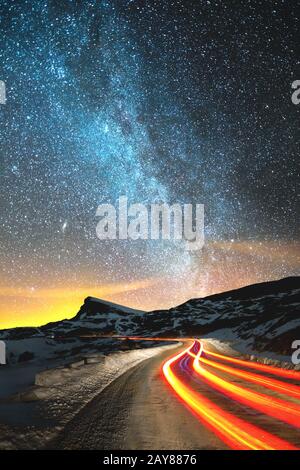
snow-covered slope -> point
(264, 317)
(69, 339)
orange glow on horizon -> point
(38, 299)
(35, 307)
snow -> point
(121, 308)
(291, 325)
(61, 403)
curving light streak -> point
(272, 384)
(271, 406)
(234, 431)
(288, 374)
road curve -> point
(235, 430)
(194, 399)
(137, 411)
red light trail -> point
(237, 433)
(287, 374)
(272, 384)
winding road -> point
(195, 399)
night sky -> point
(172, 101)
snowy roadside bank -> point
(29, 421)
(239, 348)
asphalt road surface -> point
(191, 398)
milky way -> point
(175, 101)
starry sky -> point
(174, 101)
